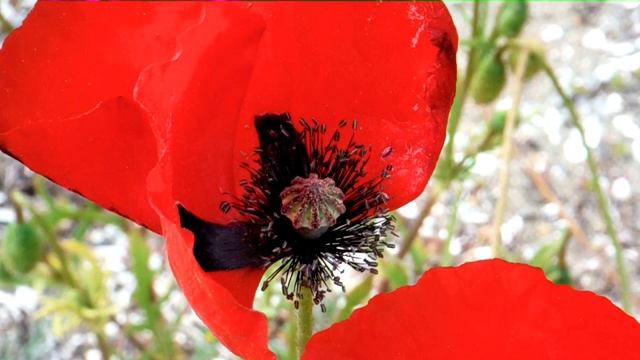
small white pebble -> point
(7, 215)
(28, 298)
(592, 263)
(155, 261)
(511, 228)
(605, 72)
(455, 247)
(551, 210)
(573, 149)
(635, 149)
(552, 32)
(594, 39)
(627, 126)
(482, 253)
(593, 131)
(613, 105)
(93, 354)
(621, 189)
(486, 164)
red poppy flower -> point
(148, 108)
(483, 310)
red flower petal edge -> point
(483, 310)
(67, 111)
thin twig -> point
(547, 194)
(507, 145)
(574, 228)
(412, 232)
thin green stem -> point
(602, 200)
(103, 344)
(304, 320)
(462, 90)
(445, 258)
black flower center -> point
(308, 205)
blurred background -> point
(548, 100)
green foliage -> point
(148, 301)
(73, 282)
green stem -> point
(304, 320)
(103, 344)
(602, 200)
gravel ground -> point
(594, 49)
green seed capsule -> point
(21, 248)
(511, 18)
(488, 81)
(534, 62)
(498, 121)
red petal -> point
(483, 310)
(79, 153)
(391, 66)
(62, 73)
(195, 99)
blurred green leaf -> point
(143, 294)
(146, 298)
(419, 257)
(356, 297)
(548, 258)
(396, 273)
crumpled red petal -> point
(483, 310)
(391, 66)
(195, 100)
(67, 109)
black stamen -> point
(263, 236)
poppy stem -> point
(304, 320)
(603, 203)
